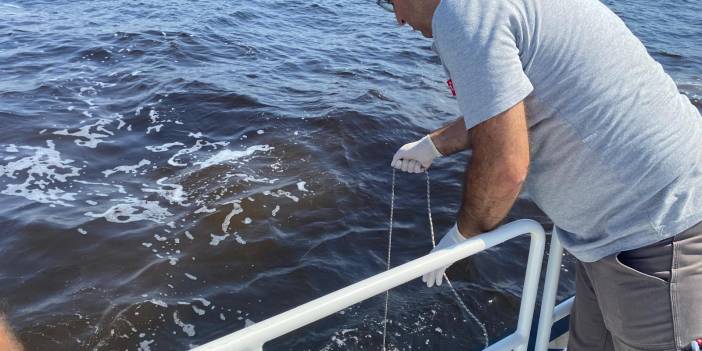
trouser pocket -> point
(635, 305)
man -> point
(563, 92)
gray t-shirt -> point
(616, 150)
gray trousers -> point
(645, 299)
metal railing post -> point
(548, 300)
(531, 288)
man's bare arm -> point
(451, 138)
(497, 170)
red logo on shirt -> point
(450, 85)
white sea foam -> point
(157, 128)
(239, 239)
(197, 310)
(120, 188)
(235, 211)
(144, 345)
(188, 329)
(94, 133)
(190, 276)
(276, 166)
(199, 144)
(90, 91)
(164, 147)
(301, 186)
(249, 178)
(229, 155)
(159, 303)
(49, 196)
(275, 210)
(172, 192)
(204, 302)
(153, 115)
(204, 209)
(120, 120)
(126, 169)
(132, 210)
(216, 239)
(42, 171)
(280, 193)
(105, 85)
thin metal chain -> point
(433, 243)
(455, 293)
(387, 292)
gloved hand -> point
(417, 156)
(452, 238)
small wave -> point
(14, 6)
(669, 54)
(205, 93)
(244, 15)
(95, 54)
(320, 9)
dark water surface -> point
(172, 170)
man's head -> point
(417, 13)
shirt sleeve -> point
(477, 43)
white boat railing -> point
(550, 314)
(253, 337)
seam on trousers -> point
(607, 341)
(649, 347)
(674, 295)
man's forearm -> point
(451, 138)
(497, 170)
(486, 201)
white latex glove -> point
(452, 238)
(416, 157)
